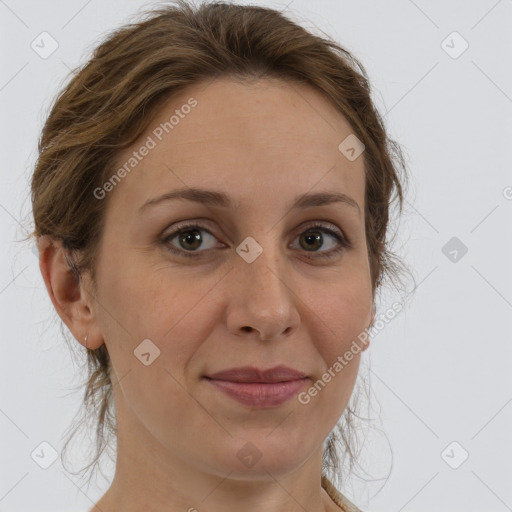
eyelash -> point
(343, 241)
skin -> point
(263, 143)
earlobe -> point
(67, 292)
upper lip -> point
(279, 373)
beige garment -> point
(337, 497)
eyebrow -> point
(220, 199)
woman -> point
(211, 202)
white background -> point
(440, 372)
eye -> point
(189, 240)
(313, 238)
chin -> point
(257, 457)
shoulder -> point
(344, 503)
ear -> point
(67, 293)
(367, 343)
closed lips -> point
(255, 388)
(252, 374)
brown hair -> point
(110, 101)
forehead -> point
(250, 139)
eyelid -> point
(328, 225)
(199, 222)
(189, 226)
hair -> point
(110, 101)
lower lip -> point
(257, 394)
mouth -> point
(259, 388)
(253, 374)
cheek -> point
(338, 321)
(139, 307)
(169, 309)
(342, 312)
(335, 315)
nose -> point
(262, 298)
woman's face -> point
(249, 284)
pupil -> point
(312, 238)
(188, 238)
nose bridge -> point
(262, 299)
(261, 264)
